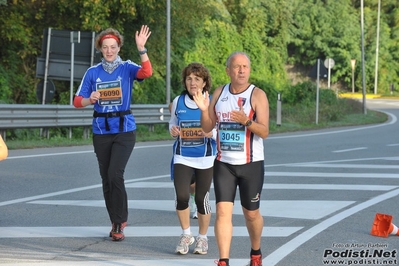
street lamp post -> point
(353, 63)
(363, 63)
(376, 49)
(167, 51)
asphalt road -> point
(322, 191)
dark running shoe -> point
(117, 233)
(256, 260)
(112, 229)
(221, 263)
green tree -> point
(272, 32)
(388, 55)
(325, 30)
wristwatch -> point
(248, 123)
(143, 52)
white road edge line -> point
(353, 149)
(77, 152)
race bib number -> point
(110, 93)
(232, 136)
(191, 134)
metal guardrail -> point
(22, 116)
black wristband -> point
(143, 52)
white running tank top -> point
(236, 144)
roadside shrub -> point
(304, 93)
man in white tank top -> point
(241, 112)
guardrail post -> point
(278, 122)
(86, 132)
(45, 132)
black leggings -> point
(183, 176)
(113, 152)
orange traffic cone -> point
(3, 149)
(383, 226)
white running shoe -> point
(184, 244)
(201, 246)
(195, 214)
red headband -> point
(110, 36)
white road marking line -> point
(62, 192)
(348, 150)
(342, 175)
(166, 262)
(268, 186)
(130, 231)
(79, 152)
(48, 154)
(296, 209)
(339, 161)
(351, 166)
(391, 122)
(393, 145)
(329, 187)
(290, 246)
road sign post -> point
(353, 63)
(329, 63)
(75, 37)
